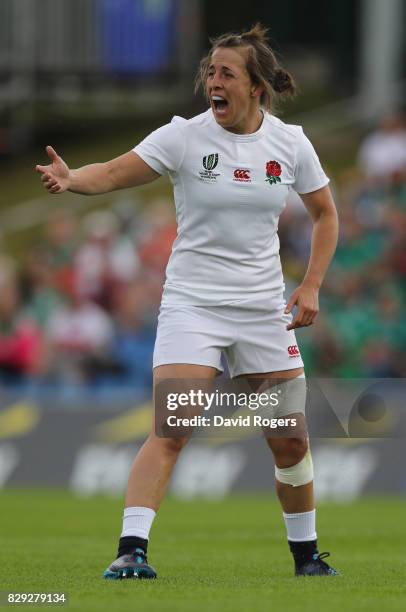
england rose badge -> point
(273, 172)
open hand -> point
(56, 176)
(307, 301)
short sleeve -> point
(163, 150)
(309, 174)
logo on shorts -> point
(209, 163)
(293, 351)
(242, 176)
(273, 171)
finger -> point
(300, 316)
(290, 304)
(297, 324)
(298, 319)
(314, 317)
(307, 318)
(50, 184)
(46, 177)
(52, 154)
(292, 325)
(311, 316)
(39, 168)
(57, 189)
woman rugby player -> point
(231, 168)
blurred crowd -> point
(360, 331)
(80, 310)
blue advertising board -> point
(138, 36)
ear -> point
(256, 91)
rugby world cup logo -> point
(210, 161)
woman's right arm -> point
(127, 170)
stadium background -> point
(81, 278)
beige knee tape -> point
(299, 474)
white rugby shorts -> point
(251, 334)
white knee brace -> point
(299, 474)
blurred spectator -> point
(41, 296)
(380, 361)
(79, 335)
(382, 155)
(134, 336)
(156, 235)
(105, 258)
(60, 245)
(21, 348)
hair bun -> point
(282, 81)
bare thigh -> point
(287, 451)
(183, 370)
(178, 372)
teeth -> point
(218, 98)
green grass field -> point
(228, 555)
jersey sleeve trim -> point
(315, 188)
(178, 122)
(148, 160)
(308, 171)
(164, 149)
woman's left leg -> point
(289, 452)
(294, 480)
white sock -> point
(137, 521)
(301, 527)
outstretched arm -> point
(321, 207)
(127, 170)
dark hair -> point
(262, 65)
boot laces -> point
(320, 556)
(140, 555)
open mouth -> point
(220, 104)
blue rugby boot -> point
(316, 567)
(133, 565)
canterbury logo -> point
(293, 350)
(210, 161)
(242, 175)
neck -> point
(250, 125)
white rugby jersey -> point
(229, 191)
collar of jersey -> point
(241, 137)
